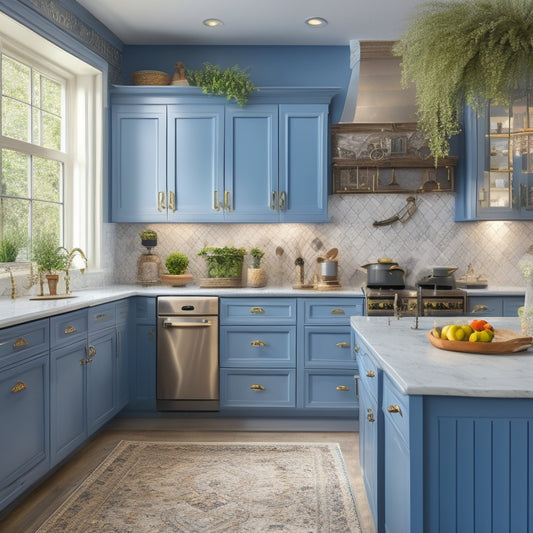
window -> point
(52, 107)
(33, 154)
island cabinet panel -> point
(478, 452)
(494, 305)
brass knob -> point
(257, 343)
(257, 310)
(18, 387)
(370, 415)
(337, 312)
(91, 351)
(356, 348)
(343, 388)
(394, 409)
(257, 387)
(69, 330)
(343, 345)
(370, 374)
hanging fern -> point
(233, 82)
(462, 52)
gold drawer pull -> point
(257, 387)
(258, 343)
(342, 345)
(394, 409)
(100, 317)
(343, 388)
(370, 374)
(21, 341)
(370, 415)
(337, 311)
(257, 310)
(356, 348)
(480, 308)
(69, 330)
(20, 386)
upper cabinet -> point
(496, 180)
(181, 156)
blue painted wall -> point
(269, 66)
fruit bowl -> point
(505, 341)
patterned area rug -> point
(170, 487)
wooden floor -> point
(29, 514)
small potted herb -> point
(256, 275)
(49, 257)
(223, 264)
(176, 263)
(148, 238)
(9, 249)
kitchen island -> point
(446, 438)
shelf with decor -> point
(387, 158)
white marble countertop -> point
(23, 309)
(417, 367)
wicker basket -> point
(221, 283)
(150, 77)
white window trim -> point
(83, 202)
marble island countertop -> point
(417, 367)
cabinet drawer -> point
(257, 311)
(328, 346)
(19, 342)
(102, 316)
(257, 388)
(68, 327)
(369, 375)
(331, 389)
(396, 408)
(331, 310)
(252, 346)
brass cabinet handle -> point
(21, 341)
(282, 201)
(172, 201)
(337, 311)
(257, 343)
(343, 345)
(100, 317)
(227, 205)
(480, 308)
(257, 310)
(257, 387)
(356, 348)
(18, 387)
(216, 203)
(370, 374)
(91, 352)
(370, 415)
(394, 409)
(343, 388)
(273, 200)
(69, 330)
(161, 201)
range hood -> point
(375, 94)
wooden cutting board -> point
(505, 341)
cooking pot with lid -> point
(385, 273)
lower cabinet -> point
(494, 305)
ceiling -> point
(252, 22)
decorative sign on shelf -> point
(386, 158)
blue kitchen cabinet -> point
(495, 179)
(139, 166)
(487, 306)
(24, 407)
(123, 354)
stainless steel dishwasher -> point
(187, 354)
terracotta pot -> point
(52, 279)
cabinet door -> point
(195, 163)
(303, 163)
(24, 422)
(143, 370)
(68, 399)
(251, 163)
(138, 147)
(122, 367)
(100, 380)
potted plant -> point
(9, 249)
(256, 275)
(465, 52)
(176, 263)
(233, 82)
(148, 238)
(223, 265)
(49, 258)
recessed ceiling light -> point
(212, 23)
(316, 21)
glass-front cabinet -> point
(496, 177)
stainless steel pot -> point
(384, 273)
(328, 269)
(443, 270)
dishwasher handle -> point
(200, 324)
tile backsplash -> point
(430, 237)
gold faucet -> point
(68, 261)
